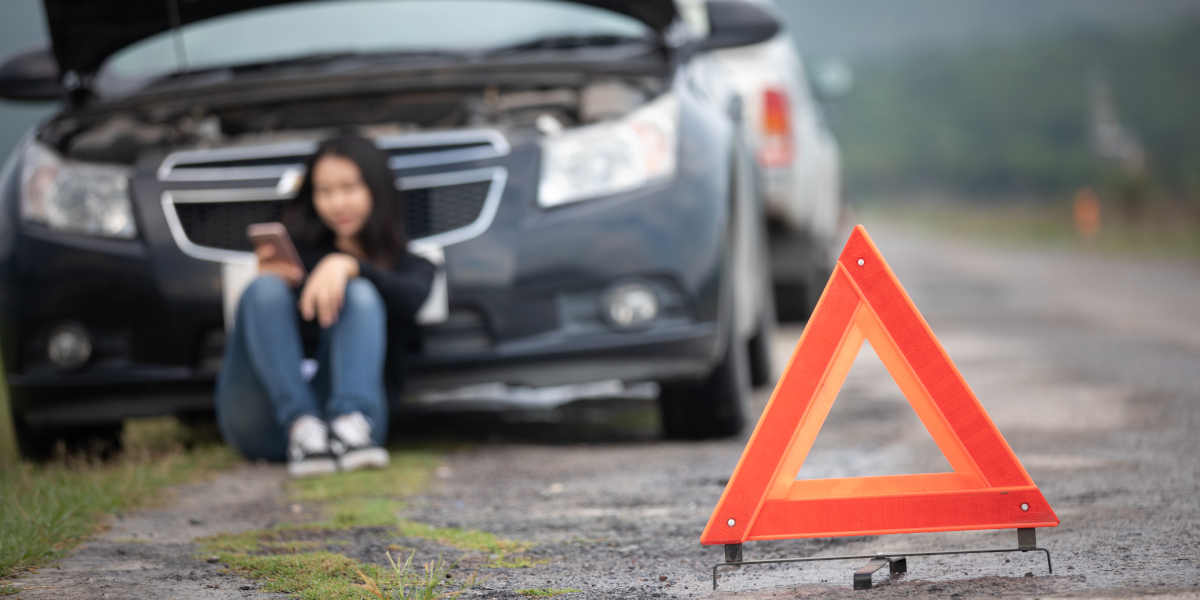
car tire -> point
(795, 300)
(760, 349)
(759, 353)
(800, 266)
(714, 407)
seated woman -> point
(355, 308)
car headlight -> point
(610, 157)
(77, 197)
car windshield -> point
(332, 28)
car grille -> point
(223, 225)
(431, 211)
(210, 223)
(440, 209)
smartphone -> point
(276, 236)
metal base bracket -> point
(897, 563)
(1026, 538)
(896, 567)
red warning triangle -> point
(987, 489)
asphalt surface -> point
(1089, 366)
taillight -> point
(777, 148)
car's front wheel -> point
(716, 406)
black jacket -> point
(404, 288)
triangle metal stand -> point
(895, 561)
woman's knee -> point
(267, 292)
(362, 297)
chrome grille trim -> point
(173, 167)
(249, 194)
(497, 146)
(491, 144)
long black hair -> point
(382, 236)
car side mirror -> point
(733, 23)
(30, 75)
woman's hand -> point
(326, 288)
(269, 263)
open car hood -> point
(84, 33)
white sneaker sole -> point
(375, 458)
(311, 467)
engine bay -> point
(121, 136)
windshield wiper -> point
(318, 58)
(568, 42)
(364, 57)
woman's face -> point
(340, 196)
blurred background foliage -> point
(991, 102)
(999, 119)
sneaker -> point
(352, 444)
(308, 448)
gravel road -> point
(1088, 365)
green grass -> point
(299, 560)
(365, 512)
(408, 473)
(46, 509)
(331, 576)
(297, 546)
(418, 586)
(463, 539)
(312, 575)
(502, 553)
(547, 592)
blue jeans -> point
(260, 390)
